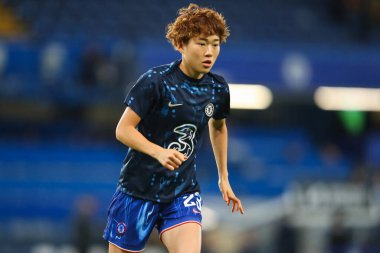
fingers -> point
(170, 166)
(241, 209)
(225, 198)
(180, 156)
(236, 204)
(173, 159)
(176, 160)
(239, 206)
(171, 163)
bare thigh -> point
(113, 249)
(186, 238)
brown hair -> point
(193, 21)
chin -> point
(205, 71)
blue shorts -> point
(131, 220)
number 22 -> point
(188, 201)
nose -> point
(209, 51)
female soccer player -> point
(167, 110)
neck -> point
(189, 72)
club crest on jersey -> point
(121, 228)
(209, 109)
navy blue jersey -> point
(174, 110)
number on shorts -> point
(188, 201)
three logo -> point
(185, 143)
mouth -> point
(207, 63)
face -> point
(199, 55)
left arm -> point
(218, 137)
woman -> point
(167, 110)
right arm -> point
(127, 134)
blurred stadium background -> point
(305, 161)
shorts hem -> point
(177, 225)
(125, 248)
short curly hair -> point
(193, 21)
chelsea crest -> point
(209, 109)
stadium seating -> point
(262, 163)
(269, 20)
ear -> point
(179, 47)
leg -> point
(185, 238)
(113, 249)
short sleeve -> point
(144, 95)
(222, 109)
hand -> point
(171, 158)
(229, 196)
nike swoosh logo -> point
(173, 105)
(147, 216)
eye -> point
(202, 43)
